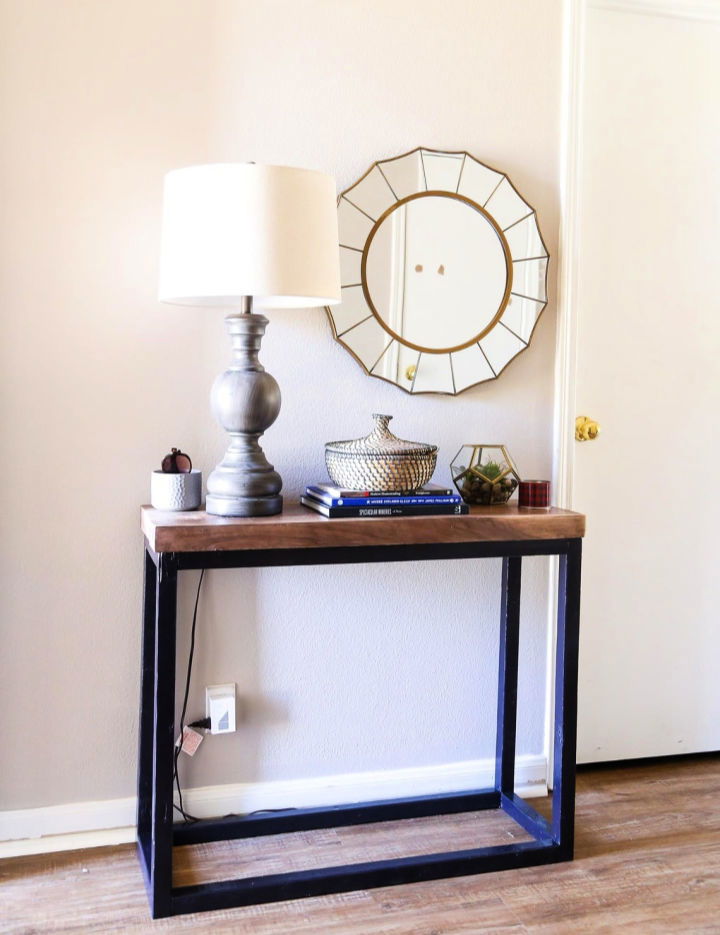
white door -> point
(648, 370)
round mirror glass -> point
(436, 272)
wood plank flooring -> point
(306, 850)
(647, 861)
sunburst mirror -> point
(444, 271)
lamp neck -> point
(246, 332)
(246, 305)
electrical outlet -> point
(220, 708)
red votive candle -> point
(535, 493)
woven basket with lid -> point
(380, 461)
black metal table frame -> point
(552, 841)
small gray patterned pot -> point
(380, 461)
(176, 491)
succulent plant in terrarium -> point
(484, 474)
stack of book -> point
(431, 500)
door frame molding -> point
(705, 10)
(568, 253)
(566, 319)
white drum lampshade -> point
(238, 229)
(241, 235)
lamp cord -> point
(176, 775)
(187, 817)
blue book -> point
(333, 497)
(377, 510)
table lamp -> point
(235, 235)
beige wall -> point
(98, 99)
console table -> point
(178, 541)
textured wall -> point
(343, 669)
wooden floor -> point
(647, 861)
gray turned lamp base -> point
(246, 401)
(243, 506)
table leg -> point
(164, 739)
(508, 675)
(147, 716)
(566, 679)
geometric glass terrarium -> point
(484, 474)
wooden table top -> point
(299, 527)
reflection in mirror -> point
(443, 270)
(529, 278)
(500, 346)
(404, 175)
(433, 374)
(372, 194)
(369, 343)
(478, 182)
(351, 311)
(354, 226)
(520, 317)
(350, 265)
(436, 272)
(524, 240)
(470, 366)
(442, 170)
(506, 206)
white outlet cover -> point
(220, 707)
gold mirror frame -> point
(357, 324)
(508, 270)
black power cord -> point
(205, 723)
(202, 722)
(176, 777)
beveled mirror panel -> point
(443, 272)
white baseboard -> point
(97, 824)
(72, 841)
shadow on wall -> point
(224, 653)
(332, 687)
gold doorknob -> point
(410, 372)
(586, 430)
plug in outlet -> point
(220, 708)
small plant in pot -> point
(484, 474)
